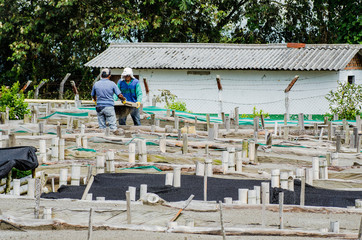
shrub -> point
(346, 100)
(13, 98)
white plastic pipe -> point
(31, 187)
(16, 187)
(315, 166)
(132, 191)
(284, 180)
(251, 197)
(243, 195)
(225, 161)
(75, 175)
(228, 200)
(143, 191)
(42, 151)
(275, 178)
(239, 162)
(169, 179)
(265, 188)
(63, 177)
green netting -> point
(143, 167)
(65, 114)
(85, 149)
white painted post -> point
(55, 149)
(239, 162)
(82, 129)
(142, 151)
(208, 167)
(61, 149)
(42, 151)
(100, 164)
(75, 175)
(177, 177)
(163, 145)
(85, 142)
(290, 181)
(275, 178)
(315, 166)
(78, 140)
(231, 161)
(143, 191)
(110, 161)
(132, 153)
(323, 170)
(200, 169)
(265, 189)
(228, 200)
(252, 151)
(258, 193)
(225, 161)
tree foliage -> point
(13, 99)
(47, 39)
(346, 100)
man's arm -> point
(139, 92)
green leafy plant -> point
(170, 100)
(257, 113)
(13, 98)
(345, 100)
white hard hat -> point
(127, 72)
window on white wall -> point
(351, 79)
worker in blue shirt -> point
(102, 93)
(131, 90)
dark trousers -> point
(135, 114)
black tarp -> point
(114, 186)
(22, 158)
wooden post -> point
(128, 199)
(360, 230)
(222, 222)
(302, 190)
(185, 143)
(219, 86)
(90, 224)
(329, 123)
(37, 197)
(147, 90)
(338, 143)
(301, 121)
(236, 119)
(281, 202)
(208, 121)
(89, 185)
(61, 87)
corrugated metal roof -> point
(226, 56)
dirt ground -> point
(112, 214)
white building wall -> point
(244, 89)
(343, 75)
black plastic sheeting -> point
(22, 158)
(114, 186)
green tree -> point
(346, 100)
